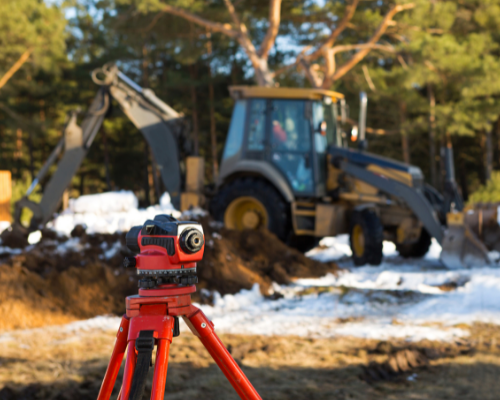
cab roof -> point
(245, 92)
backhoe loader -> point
(286, 167)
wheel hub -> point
(250, 220)
(245, 213)
(358, 240)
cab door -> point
(290, 144)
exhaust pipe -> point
(363, 104)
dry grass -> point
(47, 364)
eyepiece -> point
(132, 239)
(191, 240)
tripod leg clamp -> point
(144, 345)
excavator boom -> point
(161, 126)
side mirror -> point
(322, 128)
(354, 133)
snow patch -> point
(109, 213)
(4, 225)
(34, 237)
(7, 250)
(104, 203)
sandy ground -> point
(49, 363)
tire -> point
(303, 243)
(366, 237)
(417, 249)
(277, 209)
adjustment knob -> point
(129, 262)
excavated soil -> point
(59, 279)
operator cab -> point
(283, 133)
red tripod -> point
(151, 319)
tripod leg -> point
(128, 372)
(203, 328)
(116, 360)
(161, 366)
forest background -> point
(430, 68)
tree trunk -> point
(213, 133)
(147, 198)
(154, 172)
(151, 181)
(432, 134)
(194, 101)
(145, 77)
(462, 172)
(263, 76)
(405, 141)
(82, 183)
(106, 158)
(488, 162)
(497, 132)
(18, 153)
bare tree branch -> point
(351, 9)
(368, 78)
(330, 63)
(262, 74)
(234, 16)
(18, 64)
(356, 58)
(291, 65)
(402, 62)
(272, 30)
(311, 73)
(153, 22)
(361, 46)
(226, 29)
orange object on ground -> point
(5, 195)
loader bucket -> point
(461, 248)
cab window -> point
(290, 132)
(236, 130)
(256, 125)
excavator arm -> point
(161, 126)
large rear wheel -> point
(252, 203)
(417, 249)
(366, 237)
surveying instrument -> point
(167, 252)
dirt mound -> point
(61, 279)
(236, 260)
(13, 239)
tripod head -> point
(167, 251)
